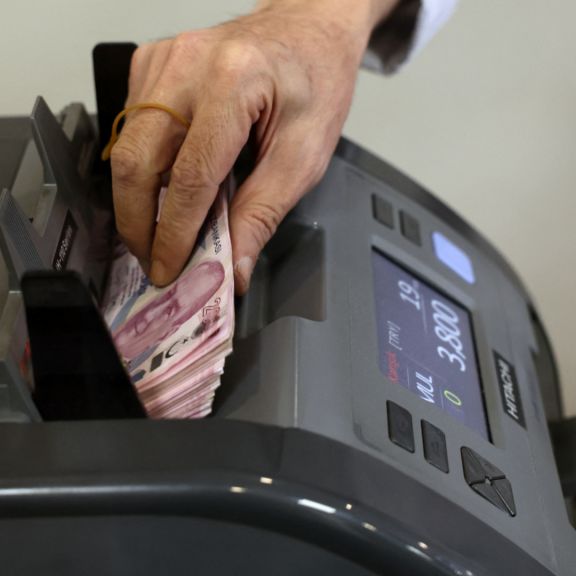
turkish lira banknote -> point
(173, 340)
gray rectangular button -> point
(435, 446)
(410, 228)
(383, 211)
(400, 427)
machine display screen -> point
(426, 344)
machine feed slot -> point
(289, 280)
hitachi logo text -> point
(509, 389)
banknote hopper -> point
(390, 407)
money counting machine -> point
(386, 409)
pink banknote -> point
(173, 340)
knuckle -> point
(175, 235)
(127, 160)
(193, 171)
(186, 44)
(169, 234)
(185, 51)
(238, 61)
(183, 207)
(264, 219)
(139, 57)
(186, 185)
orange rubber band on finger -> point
(114, 135)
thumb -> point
(255, 214)
(261, 203)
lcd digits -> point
(426, 344)
(446, 328)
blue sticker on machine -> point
(453, 257)
(509, 392)
(426, 344)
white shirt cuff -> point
(405, 32)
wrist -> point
(354, 19)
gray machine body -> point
(315, 361)
(299, 448)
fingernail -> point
(158, 273)
(242, 271)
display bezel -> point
(470, 316)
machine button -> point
(504, 490)
(410, 228)
(486, 490)
(435, 446)
(400, 427)
(476, 468)
(383, 211)
(488, 481)
(473, 470)
(493, 490)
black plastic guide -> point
(111, 62)
(77, 371)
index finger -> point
(219, 130)
(145, 150)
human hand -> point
(287, 71)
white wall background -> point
(485, 117)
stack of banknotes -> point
(174, 340)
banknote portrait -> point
(164, 315)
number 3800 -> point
(448, 332)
